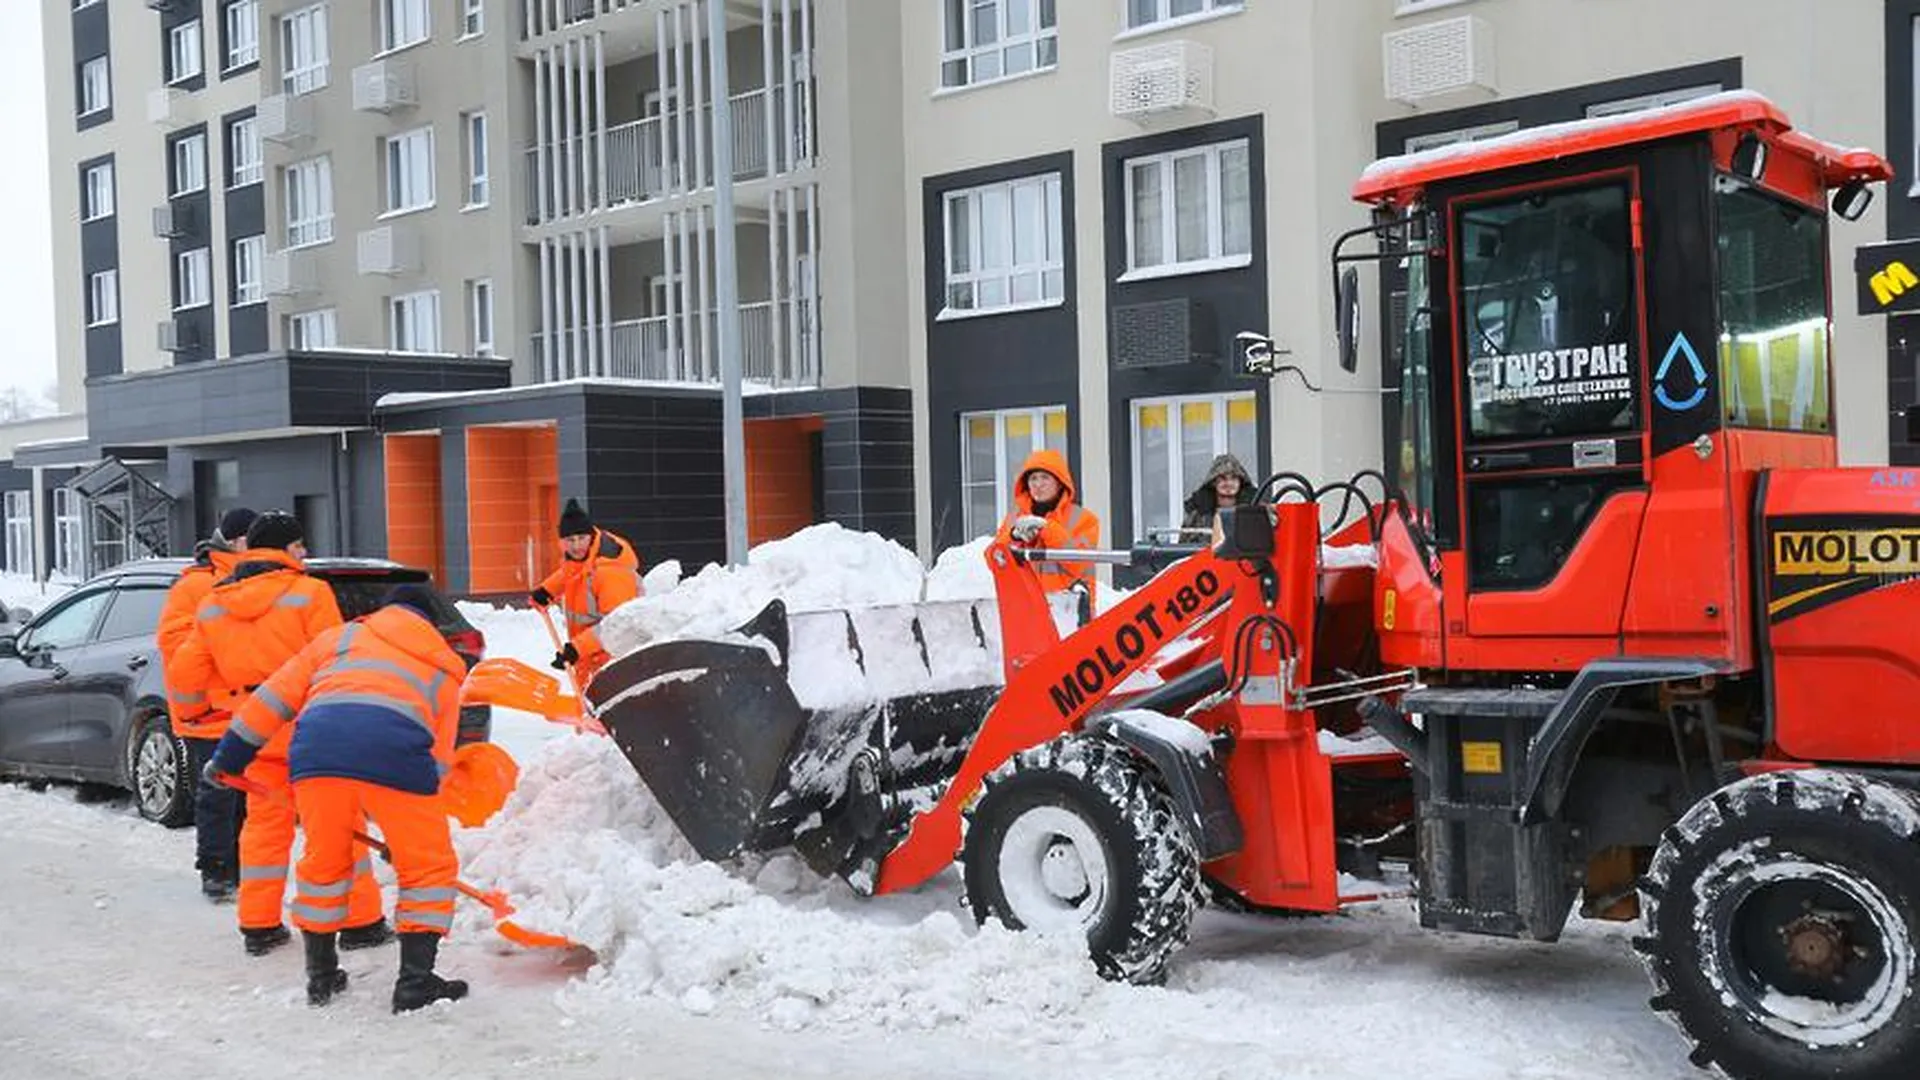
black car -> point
(81, 697)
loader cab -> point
(1611, 327)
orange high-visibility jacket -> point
(251, 623)
(377, 699)
(591, 587)
(176, 623)
(1069, 525)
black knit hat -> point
(235, 524)
(412, 595)
(275, 529)
(574, 520)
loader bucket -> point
(717, 733)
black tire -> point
(1119, 825)
(159, 773)
(1782, 916)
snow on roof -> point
(399, 398)
(51, 444)
(1550, 141)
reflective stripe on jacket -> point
(589, 588)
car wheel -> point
(157, 769)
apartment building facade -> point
(1108, 192)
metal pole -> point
(727, 287)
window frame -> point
(473, 19)
(474, 143)
(1217, 257)
(102, 65)
(307, 26)
(971, 49)
(88, 211)
(404, 158)
(1177, 487)
(480, 325)
(387, 25)
(403, 311)
(192, 279)
(306, 322)
(182, 64)
(1052, 264)
(1003, 463)
(1163, 19)
(316, 229)
(18, 530)
(187, 165)
(1820, 330)
(240, 49)
(69, 533)
(253, 161)
(110, 277)
(246, 290)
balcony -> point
(653, 158)
(540, 17)
(779, 347)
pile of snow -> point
(21, 591)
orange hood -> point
(1049, 461)
(258, 579)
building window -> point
(244, 164)
(1652, 101)
(1004, 246)
(66, 532)
(474, 129)
(1189, 210)
(243, 33)
(303, 49)
(993, 39)
(20, 532)
(413, 323)
(409, 163)
(192, 279)
(309, 198)
(992, 446)
(103, 297)
(480, 316)
(189, 164)
(248, 253)
(473, 18)
(185, 59)
(1175, 440)
(312, 330)
(1432, 139)
(402, 23)
(1148, 12)
(96, 86)
(96, 191)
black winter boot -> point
(262, 942)
(324, 977)
(373, 934)
(417, 986)
(218, 883)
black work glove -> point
(567, 655)
(541, 597)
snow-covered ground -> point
(705, 970)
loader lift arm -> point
(1050, 690)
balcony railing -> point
(652, 158)
(779, 347)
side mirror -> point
(1852, 199)
(1347, 312)
(1749, 160)
(9, 647)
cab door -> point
(1550, 349)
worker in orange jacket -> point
(216, 808)
(1045, 515)
(598, 572)
(373, 707)
(252, 621)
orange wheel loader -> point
(1612, 632)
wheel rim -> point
(1813, 951)
(153, 773)
(1053, 870)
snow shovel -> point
(495, 900)
(514, 684)
(477, 786)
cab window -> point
(1771, 257)
(67, 625)
(1546, 314)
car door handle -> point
(136, 662)
(57, 671)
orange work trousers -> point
(266, 851)
(415, 828)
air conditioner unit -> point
(1170, 79)
(1440, 57)
(389, 249)
(167, 106)
(172, 335)
(172, 219)
(286, 119)
(289, 273)
(1163, 333)
(384, 85)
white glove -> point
(1026, 527)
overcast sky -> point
(26, 286)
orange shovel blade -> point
(515, 684)
(477, 786)
(496, 902)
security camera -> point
(1256, 353)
